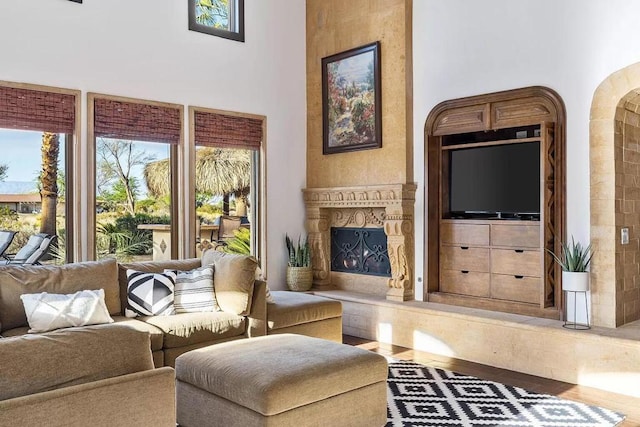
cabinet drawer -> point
(512, 288)
(465, 234)
(469, 259)
(471, 283)
(517, 236)
(516, 262)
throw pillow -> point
(46, 312)
(194, 291)
(269, 297)
(233, 280)
(150, 294)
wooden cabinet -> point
(496, 264)
(492, 259)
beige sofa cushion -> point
(193, 328)
(293, 308)
(233, 277)
(69, 357)
(16, 280)
(151, 267)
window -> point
(222, 18)
(136, 149)
(37, 129)
(228, 178)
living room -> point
(431, 51)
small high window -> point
(222, 18)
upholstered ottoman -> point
(281, 380)
(304, 314)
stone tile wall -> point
(627, 208)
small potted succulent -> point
(299, 272)
(574, 260)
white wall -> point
(465, 47)
(144, 49)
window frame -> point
(73, 244)
(177, 170)
(258, 193)
(236, 15)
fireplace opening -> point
(360, 251)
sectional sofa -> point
(137, 345)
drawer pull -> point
(464, 271)
(464, 248)
(519, 277)
(520, 251)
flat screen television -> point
(497, 180)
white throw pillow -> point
(46, 312)
(194, 291)
(150, 294)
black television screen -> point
(496, 179)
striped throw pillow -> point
(194, 291)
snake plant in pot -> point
(299, 271)
(574, 260)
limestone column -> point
(398, 227)
(317, 225)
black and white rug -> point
(419, 395)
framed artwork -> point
(222, 18)
(351, 94)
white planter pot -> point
(575, 281)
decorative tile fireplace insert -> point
(386, 207)
(360, 251)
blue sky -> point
(21, 151)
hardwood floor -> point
(627, 405)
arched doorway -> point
(614, 144)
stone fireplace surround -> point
(388, 206)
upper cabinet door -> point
(520, 112)
(471, 118)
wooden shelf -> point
(489, 143)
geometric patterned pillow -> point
(150, 294)
(194, 291)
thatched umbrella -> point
(218, 172)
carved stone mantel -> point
(383, 206)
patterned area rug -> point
(419, 395)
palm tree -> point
(213, 13)
(219, 171)
(49, 181)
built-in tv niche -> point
(493, 175)
(495, 201)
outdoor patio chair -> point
(6, 237)
(226, 228)
(37, 246)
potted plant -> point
(299, 272)
(574, 261)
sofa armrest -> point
(145, 398)
(258, 316)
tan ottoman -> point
(304, 314)
(281, 380)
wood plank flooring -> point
(627, 405)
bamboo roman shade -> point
(132, 121)
(36, 110)
(224, 131)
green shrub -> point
(241, 243)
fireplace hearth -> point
(387, 208)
